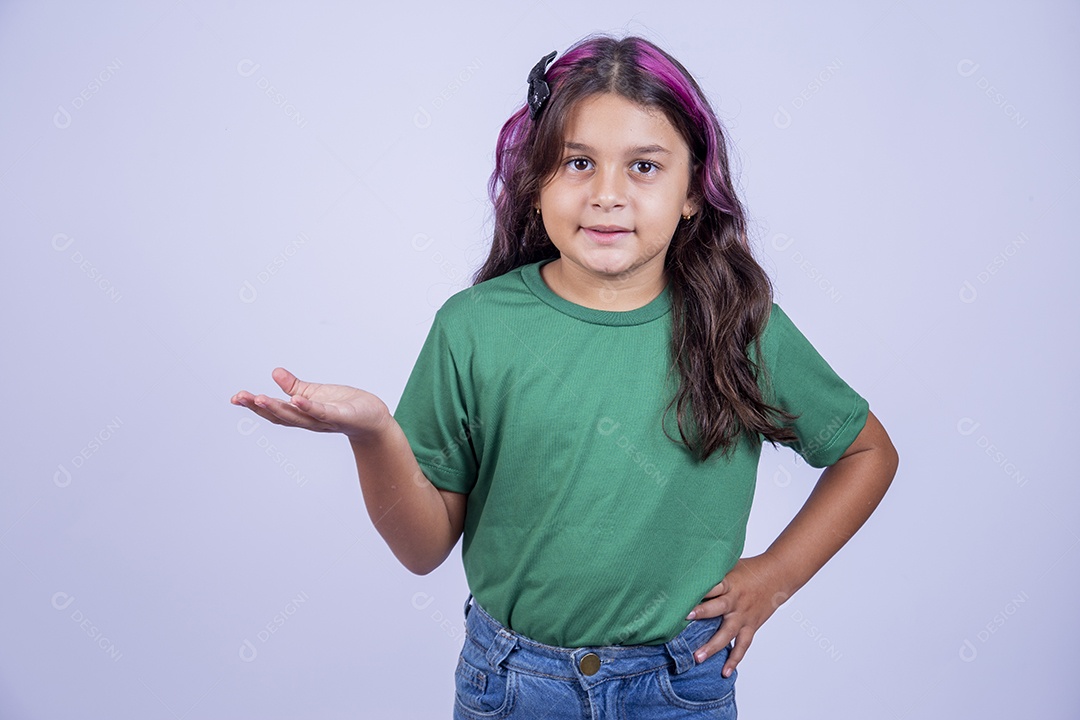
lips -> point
(608, 228)
(606, 234)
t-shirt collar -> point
(657, 307)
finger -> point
(320, 411)
(716, 591)
(284, 413)
(710, 608)
(237, 399)
(248, 400)
(742, 644)
(715, 644)
(287, 381)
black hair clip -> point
(539, 91)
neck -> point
(618, 292)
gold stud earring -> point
(537, 211)
(687, 217)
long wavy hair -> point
(721, 297)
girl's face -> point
(618, 195)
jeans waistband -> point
(504, 646)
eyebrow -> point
(642, 150)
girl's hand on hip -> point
(748, 595)
(316, 407)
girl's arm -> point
(845, 495)
(843, 498)
(419, 522)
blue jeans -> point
(502, 674)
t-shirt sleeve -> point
(831, 413)
(433, 412)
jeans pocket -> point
(481, 690)
(701, 687)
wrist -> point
(373, 433)
(783, 574)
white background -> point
(174, 232)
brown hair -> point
(721, 297)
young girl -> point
(590, 413)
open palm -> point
(318, 407)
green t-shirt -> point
(585, 525)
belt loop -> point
(681, 653)
(466, 609)
(501, 646)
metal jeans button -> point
(589, 663)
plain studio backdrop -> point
(192, 194)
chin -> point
(611, 265)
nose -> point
(608, 188)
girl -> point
(590, 413)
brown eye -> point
(576, 163)
(649, 167)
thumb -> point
(287, 381)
